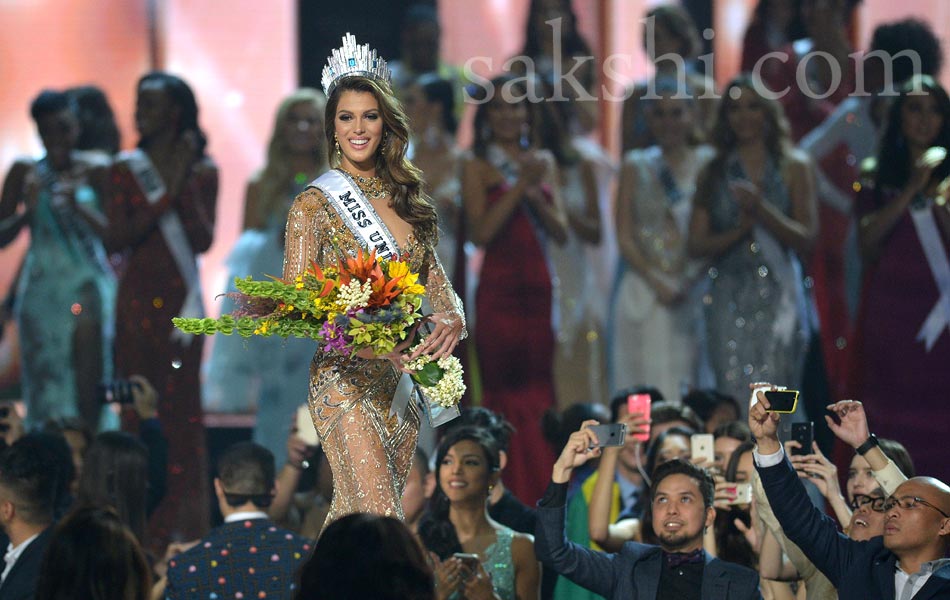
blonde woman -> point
(270, 373)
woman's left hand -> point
(443, 339)
(746, 195)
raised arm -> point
(197, 204)
(585, 567)
(814, 532)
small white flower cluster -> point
(450, 389)
(354, 294)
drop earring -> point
(339, 153)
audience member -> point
(29, 478)
(513, 208)
(754, 216)
(420, 40)
(916, 536)
(713, 408)
(682, 498)
(457, 521)
(63, 320)
(366, 556)
(420, 486)
(904, 225)
(93, 556)
(503, 505)
(247, 555)
(269, 375)
(655, 303)
(116, 474)
(304, 488)
(726, 439)
(667, 415)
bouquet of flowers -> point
(362, 302)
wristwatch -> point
(870, 443)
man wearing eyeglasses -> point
(906, 562)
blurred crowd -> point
(738, 237)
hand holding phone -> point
(640, 403)
(701, 447)
(305, 429)
(804, 434)
(469, 563)
(743, 494)
(611, 434)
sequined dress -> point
(369, 450)
(497, 562)
(66, 278)
(651, 342)
(755, 307)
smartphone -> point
(640, 403)
(804, 434)
(469, 561)
(701, 446)
(611, 434)
(305, 429)
(743, 494)
(782, 401)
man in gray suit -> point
(679, 568)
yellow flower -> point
(416, 288)
(290, 308)
(397, 269)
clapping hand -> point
(747, 195)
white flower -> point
(354, 295)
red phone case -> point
(640, 403)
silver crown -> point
(352, 59)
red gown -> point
(151, 292)
(903, 386)
(515, 344)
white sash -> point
(355, 210)
(929, 236)
(357, 213)
(152, 185)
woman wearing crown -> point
(373, 200)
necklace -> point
(373, 187)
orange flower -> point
(364, 268)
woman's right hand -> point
(923, 170)
(533, 167)
(478, 585)
(448, 575)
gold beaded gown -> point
(369, 449)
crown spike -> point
(353, 59)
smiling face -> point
(464, 473)
(865, 521)
(679, 515)
(358, 125)
(507, 120)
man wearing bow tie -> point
(682, 505)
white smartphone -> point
(701, 446)
(743, 494)
(305, 429)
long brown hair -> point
(277, 173)
(404, 178)
(723, 138)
